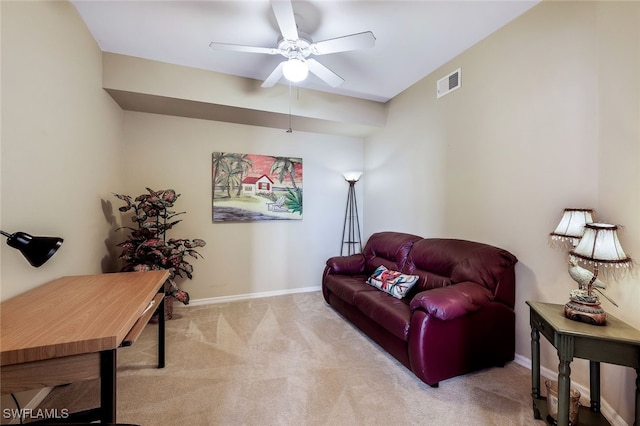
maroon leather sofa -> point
(458, 318)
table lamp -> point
(594, 245)
(599, 247)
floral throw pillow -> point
(392, 282)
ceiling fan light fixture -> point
(295, 70)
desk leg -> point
(108, 370)
(565, 354)
(637, 422)
(594, 385)
(161, 335)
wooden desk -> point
(69, 330)
(614, 343)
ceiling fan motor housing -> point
(295, 48)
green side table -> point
(614, 343)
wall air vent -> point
(449, 83)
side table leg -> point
(594, 385)
(565, 354)
(535, 370)
(535, 363)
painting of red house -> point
(256, 185)
(252, 187)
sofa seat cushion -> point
(390, 313)
(347, 286)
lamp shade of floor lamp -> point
(37, 250)
(351, 238)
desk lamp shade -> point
(571, 226)
(37, 250)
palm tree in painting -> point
(220, 160)
(243, 165)
(225, 177)
(285, 167)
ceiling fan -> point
(297, 46)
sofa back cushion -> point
(441, 262)
(389, 249)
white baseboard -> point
(605, 408)
(238, 297)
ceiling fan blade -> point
(342, 44)
(239, 48)
(324, 73)
(283, 10)
(274, 77)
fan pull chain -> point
(289, 130)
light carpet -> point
(290, 360)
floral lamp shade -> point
(600, 246)
(571, 226)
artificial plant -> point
(147, 247)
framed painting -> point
(251, 187)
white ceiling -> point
(413, 38)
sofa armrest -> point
(453, 301)
(346, 265)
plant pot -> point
(168, 307)
(168, 310)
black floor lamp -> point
(351, 229)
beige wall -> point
(243, 258)
(547, 117)
(61, 142)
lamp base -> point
(589, 312)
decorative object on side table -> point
(147, 247)
(351, 225)
(552, 403)
(595, 245)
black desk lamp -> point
(37, 250)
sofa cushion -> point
(459, 260)
(347, 286)
(389, 249)
(395, 283)
(390, 313)
(485, 265)
(427, 281)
